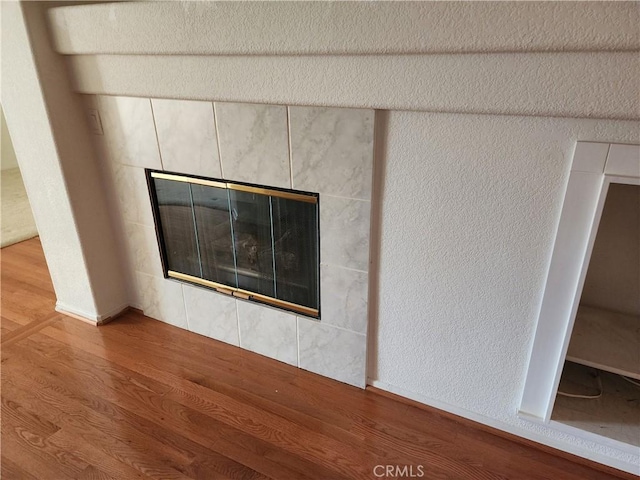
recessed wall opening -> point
(599, 390)
(252, 242)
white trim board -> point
(86, 316)
(577, 85)
(595, 166)
(339, 28)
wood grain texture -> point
(27, 291)
(140, 399)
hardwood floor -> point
(137, 398)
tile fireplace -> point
(248, 255)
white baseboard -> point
(113, 312)
(527, 434)
(86, 316)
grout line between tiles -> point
(332, 265)
(345, 329)
(186, 311)
(329, 325)
(346, 198)
(215, 127)
(155, 129)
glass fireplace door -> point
(213, 227)
(252, 242)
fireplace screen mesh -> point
(251, 242)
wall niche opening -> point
(599, 390)
(252, 242)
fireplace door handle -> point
(244, 296)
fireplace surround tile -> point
(254, 144)
(129, 133)
(335, 345)
(344, 297)
(142, 249)
(268, 331)
(332, 352)
(332, 150)
(132, 194)
(211, 314)
(161, 299)
(187, 136)
(344, 226)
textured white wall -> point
(58, 167)
(8, 156)
(344, 27)
(583, 84)
(530, 58)
(470, 209)
(26, 112)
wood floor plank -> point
(23, 307)
(28, 329)
(215, 466)
(140, 399)
(12, 471)
(197, 462)
(94, 473)
(143, 453)
(7, 326)
(137, 398)
(115, 442)
(27, 290)
(37, 455)
(14, 412)
(27, 462)
(35, 278)
(342, 457)
(309, 409)
(96, 457)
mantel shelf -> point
(606, 340)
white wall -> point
(470, 203)
(293, 28)
(7, 155)
(558, 84)
(59, 168)
(471, 207)
(531, 58)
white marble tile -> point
(187, 136)
(143, 252)
(344, 297)
(130, 188)
(254, 144)
(268, 331)
(332, 150)
(344, 230)
(332, 352)
(129, 132)
(211, 314)
(161, 299)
